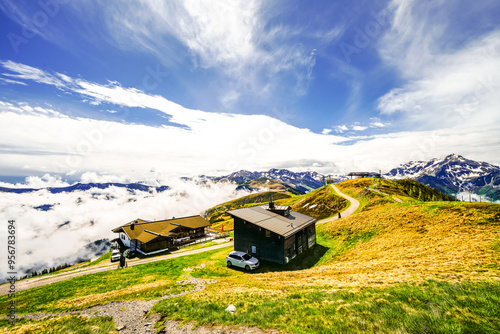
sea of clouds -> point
(47, 238)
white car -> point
(242, 260)
(115, 255)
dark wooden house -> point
(149, 237)
(273, 233)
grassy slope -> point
(64, 324)
(320, 203)
(144, 281)
(408, 268)
(411, 267)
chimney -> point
(132, 226)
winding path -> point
(34, 282)
(349, 211)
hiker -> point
(339, 215)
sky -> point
(129, 90)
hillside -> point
(320, 203)
(218, 214)
(432, 265)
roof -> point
(284, 226)
(145, 231)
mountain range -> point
(452, 175)
(301, 182)
(87, 186)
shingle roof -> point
(284, 226)
(145, 231)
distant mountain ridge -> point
(302, 182)
(87, 186)
(452, 175)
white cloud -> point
(341, 128)
(46, 180)
(326, 131)
(359, 128)
(223, 142)
(377, 125)
(93, 213)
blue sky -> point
(130, 90)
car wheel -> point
(247, 268)
(229, 264)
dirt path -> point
(34, 282)
(349, 211)
(134, 316)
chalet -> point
(150, 237)
(273, 233)
(360, 175)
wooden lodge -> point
(150, 237)
(360, 175)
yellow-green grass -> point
(394, 268)
(74, 324)
(217, 214)
(321, 203)
(145, 281)
(425, 267)
(431, 307)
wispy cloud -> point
(26, 72)
(445, 86)
(9, 81)
(219, 140)
(237, 41)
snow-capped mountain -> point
(453, 175)
(302, 182)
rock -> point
(120, 328)
(231, 308)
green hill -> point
(413, 266)
(320, 203)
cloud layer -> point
(80, 217)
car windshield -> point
(246, 257)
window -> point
(268, 233)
